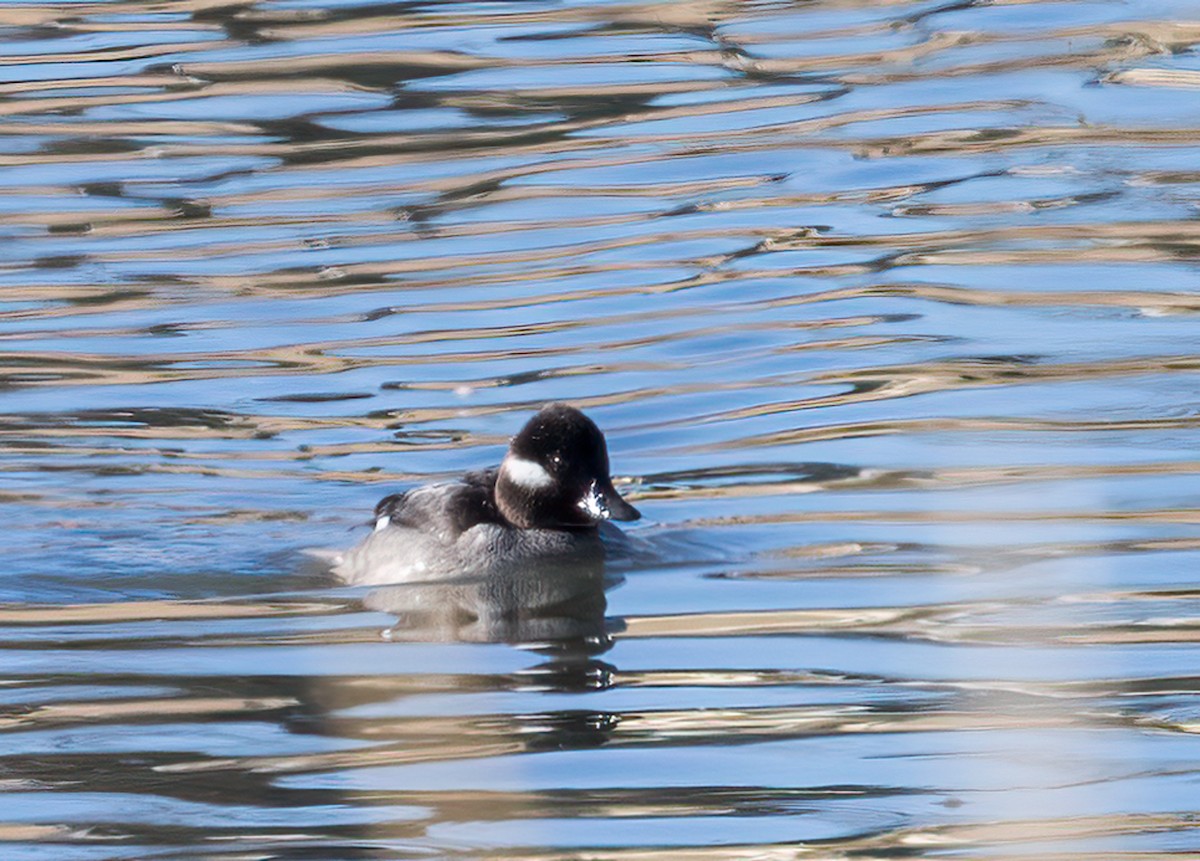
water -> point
(888, 310)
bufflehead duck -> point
(546, 502)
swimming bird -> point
(547, 503)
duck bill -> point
(602, 502)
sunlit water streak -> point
(889, 312)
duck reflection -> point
(554, 607)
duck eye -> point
(556, 459)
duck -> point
(547, 505)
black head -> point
(555, 474)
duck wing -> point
(444, 511)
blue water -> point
(888, 312)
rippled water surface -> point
(888, 310)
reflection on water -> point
(888, 311)
(555, 609)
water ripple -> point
(887, 310)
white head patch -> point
(526, 473)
